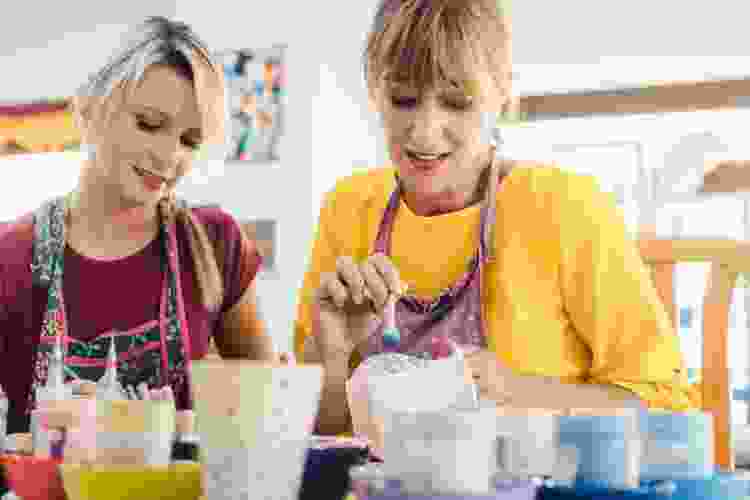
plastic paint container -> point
(608, 449)
(721, 487)
(369, 482)
(677, 445)
(448, 450)
(528, 444)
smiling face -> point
(438, 72)
(436, 136)
(148, 140)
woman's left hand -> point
(494, 381)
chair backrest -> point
(726, 260)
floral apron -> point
(156, 352)
(457, 313)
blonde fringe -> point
(210, 280)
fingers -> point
(376, 287)
(343, 285)
(333, 290)
(349, 273)
(382, 279)
(373, 280)
(388, 273)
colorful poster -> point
(256, 89)
(37, 127)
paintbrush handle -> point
(389, 312)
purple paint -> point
(58, 440)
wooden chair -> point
(728, 258)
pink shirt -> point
(101, 296)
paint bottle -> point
(50, 399)
(108, 388)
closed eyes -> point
(149, 126)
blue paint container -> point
(720, 487)
(677, 445)
(607, 448)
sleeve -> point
(242, 260)
(325, 250)
(613, 304)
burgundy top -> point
(101, 296)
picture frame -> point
(256, 99)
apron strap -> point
(49, 240)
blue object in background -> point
(720, 487)
(741, 394)
(677, 445)
(686, 317)
(504, 490)
(602, 444)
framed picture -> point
(263, 232)
(256, 95)
(38, 127)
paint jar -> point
(678, 445)
(528, 442)
(608, 448)
(443, 451)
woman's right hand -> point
(349, 298)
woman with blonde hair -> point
(527, 265)
(120, 260)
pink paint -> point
(440, 347)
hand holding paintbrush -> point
(348, 300)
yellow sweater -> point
(567, 296)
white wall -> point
(328, 128)
(47, 49)
(584, 44)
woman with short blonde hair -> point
(526, 266)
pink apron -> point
(457, 313)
